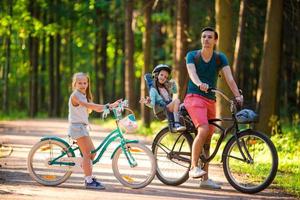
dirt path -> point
(15, 182)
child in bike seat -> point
(161, 92)
(80, 105)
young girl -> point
(161, 94)
(80, 105)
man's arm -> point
(194, 77)
(226, 71)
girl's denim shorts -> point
(78, 130)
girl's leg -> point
(174, 105)
(86, 146)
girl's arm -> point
(93, 106)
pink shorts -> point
(200, 109)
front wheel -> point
(258, 169)
(38, 163)
(173, 154)
(142, 170)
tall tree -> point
(57, 100)
(51, 75)
(97, 54)
(224, 28)
(239, 43)
(42, 82)
(6, 71)
(290, 68)
(129, 48)
(103, 52)
(268, 79)
(180, 71)
(145, 114)
(33, 57)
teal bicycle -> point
(52, 160)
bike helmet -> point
(160, 67)
(246, 116)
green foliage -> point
(13, 115)
(288, 147)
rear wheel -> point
(173, 154)
(258, 170)
(38, 163)
(141, 173)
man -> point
(203, 67)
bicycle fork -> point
(242, 147)
(127, 152)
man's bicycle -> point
(249, 157)
(52, 160)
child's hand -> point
(145, 101)
(115, 104)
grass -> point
(288, 148)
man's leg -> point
(208, 183)
(198, 144)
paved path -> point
(15, 182)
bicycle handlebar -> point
(234, 106)
(221, 93)
(123, 105)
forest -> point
(43, 43)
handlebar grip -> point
(241, 92)
(211, 89)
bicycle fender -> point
(127, 142)
(59, 140)
(232, 138)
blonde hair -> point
(89, 95)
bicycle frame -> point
(224, 132)
(112, 136)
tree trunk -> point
(33, 56)
(42, 84)
(180, 71)
(5, 103)
(224, 28)
(267, 90)
(57, 104)
(51, 70)
(115, 61)
(129, 49)
(103, 55)
(290, 68)
(71, 57)
(145, 114)
(239, 44)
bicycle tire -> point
(169, 170)
(138, 176)
(37, 163)
(254, 176)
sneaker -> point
(210, 184)
(94, 185)
(178, 127)
(196, 172)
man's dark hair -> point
(210, 29)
